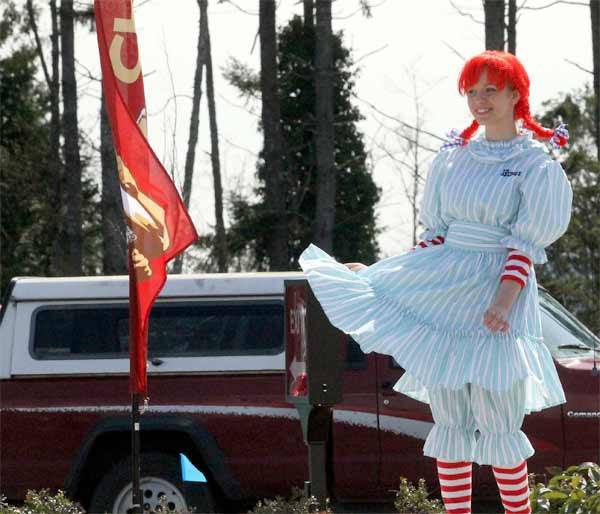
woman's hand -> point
(354, 266)
(496, 318)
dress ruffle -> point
(458, 443)
(538, 396)
(502, 449)
(453, 357)
(538, 254)
(450, 443)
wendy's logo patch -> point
(507, 173)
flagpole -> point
(135, 450)
(140, 171)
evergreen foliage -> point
(572, 274)
(355, 229)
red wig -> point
(503, 68)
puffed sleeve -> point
(430, 209)
(544, 211)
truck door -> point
(354, 439)
(403, 426)
(581, 413)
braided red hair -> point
(503, 68)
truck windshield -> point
(564, 334)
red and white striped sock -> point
(455, 485)
(514, 488)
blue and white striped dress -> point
(425, 307)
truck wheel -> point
(160, 476)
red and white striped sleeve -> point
(517, 267)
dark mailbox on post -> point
(315, 355)
(315, 350)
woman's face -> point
(490, 106)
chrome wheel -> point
(153, 489)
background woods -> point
(297, 128)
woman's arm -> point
(496, 316)
(517, 267)
(512, 281)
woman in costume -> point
(460, 311)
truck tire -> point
(160, 475)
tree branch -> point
(371, 53)
(397, 120)
(238, 7)
(38, 42)
(523, 6)
(169, 100)
(579, 66)
(364, 8)
(463, 13)
(87, 73)
(455, 51)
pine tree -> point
(28, 210)
(24, 134)
(572, 273)
(355, 228)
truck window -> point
(562, 329)
(177, 330)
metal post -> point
(135, 453)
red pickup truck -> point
(218, 432)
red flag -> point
(159, 227)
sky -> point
(406, 46)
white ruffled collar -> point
(498, 151)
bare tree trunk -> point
(114, 241)
(73, 239)
(324, 143)
(194, 124)
(494, 24)
(595, 18)
(54, 162)
(214, 146)
(55, 132)
(511, 28)
(309, 10)
(416, 163)
(273, 138)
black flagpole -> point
(135, 396)
(135, 449)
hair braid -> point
(522, 111)
(469, 131)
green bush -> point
(296, 504)
(42, 502)
(409, 499)
(575, 490)
(414, 500)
